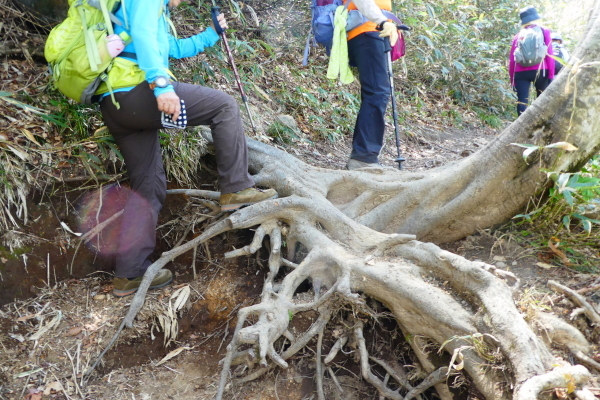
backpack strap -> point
(108, 16)
(88, 36)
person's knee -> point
(229, 102)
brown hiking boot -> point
(355, 164)
(246, 197)
(124, 287)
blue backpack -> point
(323, 13)
(322, 23)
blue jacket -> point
(146, 22)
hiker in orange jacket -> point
(367, 52)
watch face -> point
(161, 82)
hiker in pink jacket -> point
(521, 73)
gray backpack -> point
(531, 49)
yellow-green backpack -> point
(76, 49)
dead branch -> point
(578, 299)
(433, 379)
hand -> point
(389, 29)
(169, 103)
(222, 22)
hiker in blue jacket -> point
(366, 51)
(135, 125)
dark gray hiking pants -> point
(135, 129)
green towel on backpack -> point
(338, 59)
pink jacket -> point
(547, 66)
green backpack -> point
(76, 49)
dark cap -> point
(528, 14)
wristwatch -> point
(160, 82)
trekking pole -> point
(307, 47)
(388, 50)
(214, 12)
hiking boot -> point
(124, 287)
(246, 197)
(355, 164)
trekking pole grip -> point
(215, 11)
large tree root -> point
(463, 309)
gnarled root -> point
(464, 307)
(571, 378)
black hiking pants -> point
(523, 80)
(135, 128)
(367, 52)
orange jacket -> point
(367, 26)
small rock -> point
(500, 265)
(100, 297)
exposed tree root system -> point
(440, 300)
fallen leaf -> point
(34, 394)
(554, 247)
(50, 325)
(19, 153)
(29, 136)
(545, 265)
(18, 337)
(102, 131)
(54, 386)
(25, 318)
(74, 331)
(261, 92)
(563, 146)
(173, 354)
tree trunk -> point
(489, 187)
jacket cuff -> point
(211, 35)
(158, 91)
